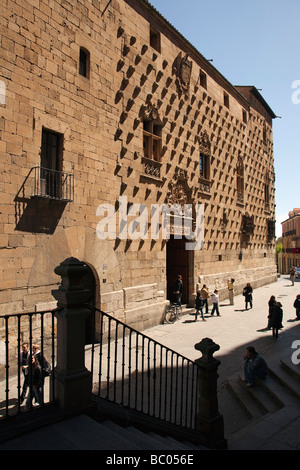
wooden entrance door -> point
(177, 263)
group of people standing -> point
(254, 364)
(275, 313)
(202, 302)
(34, 367)
(203, 296)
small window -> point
(84, 62)
(203, 81)
(226, 100)
(155, 39)
(245, 116)
(152, 140)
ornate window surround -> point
(152, 142)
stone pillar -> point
(72, 379)
(208, 419)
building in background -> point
(290, 256)
(107, 103)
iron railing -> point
(53, 184)
(15, 329)
(127, 367)
(133, 370)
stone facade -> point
(119, 104)
(290, 256)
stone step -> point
(142, 440)
(84, 433)
(290, 374)
(235, 416)
(149, 441)
(276, 398)
(282, 386)
(253, 407)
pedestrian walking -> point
(247, 293)
(276, 318)
(292, 275)
(24, 364)
(205, 295)
(230, 285)
(36, 384)
(271, 304)
(215, 302)
(199, 306)
(297, 307)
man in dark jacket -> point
(178, 289)
(297, 307)
(275, 318)
(254, 366)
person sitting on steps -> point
(254, 366)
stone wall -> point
(99, 118)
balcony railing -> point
(52, 184)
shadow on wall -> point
(38, 215)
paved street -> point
(236, 328)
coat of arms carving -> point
(182, 67)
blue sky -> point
(254, 43)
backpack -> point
(46, 368)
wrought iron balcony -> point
(52, 184)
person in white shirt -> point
(215, 302)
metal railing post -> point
(72, 379)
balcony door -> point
(50, 163)
(177, 263)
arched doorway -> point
(179, 259)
